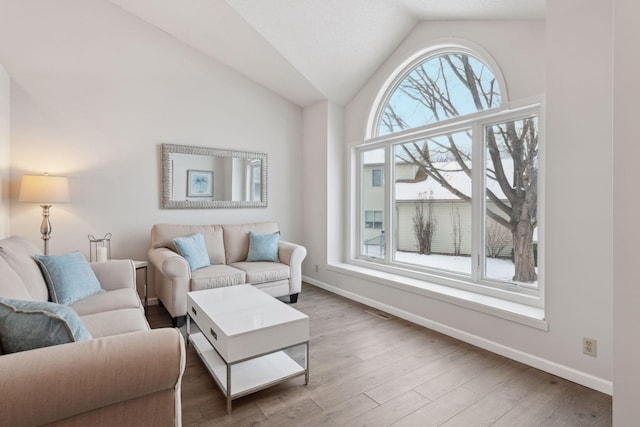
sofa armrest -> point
(172, 279)
(293, 255)
(169, 263)
(116, 274)
(50, 384)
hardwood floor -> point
(368, 371)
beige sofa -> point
(126, 375)
(227, 246)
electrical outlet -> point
(316, 268)
(590, 346)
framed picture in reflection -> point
(199, 183)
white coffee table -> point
(248, 339)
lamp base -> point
(45, 227)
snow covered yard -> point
(498, 269)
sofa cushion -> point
(162, 236)
(216, 276)
(107, 301)
(261, 272)
(26, 325)
(263, 247)
(236, 238)
(11, 285)
(69, 277)
(193, 249)
(115, 322)
(19, 253)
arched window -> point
(458, 203)
(439, 88)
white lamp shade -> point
(44, 189)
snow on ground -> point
(499, 269)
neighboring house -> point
(413, 187)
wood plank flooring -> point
(368, 371)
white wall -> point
(562, 57)
(314, 200)
(323, 170)
(94, 93)
(626, 204)
(5, 151)
(578, 168)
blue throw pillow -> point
(194, 250)
(69, 277)
(25, 325)
(263, 247)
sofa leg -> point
(293, 298)
(178, 322)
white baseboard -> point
(152, 301)
(554, 368)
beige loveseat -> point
(227, 247)
(126, 375)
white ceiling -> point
(308, 50)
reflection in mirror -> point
(203, 177)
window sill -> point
(508, 310)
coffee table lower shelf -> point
(250, 375)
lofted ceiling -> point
(309, 50)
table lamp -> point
(44, 189)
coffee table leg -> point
(188, 328)
(228, 389)
(306, 374)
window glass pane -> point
(256, 186)
(512, 201)
(372, 229)
(433, 202)
(377, 219)
(368, 219)
(442, 87)
(377, 177)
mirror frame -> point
(167, 180)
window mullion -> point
(389, 202)
(360, 212)
(477, 203)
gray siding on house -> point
(372, 200)
(443, 238)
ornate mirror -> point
(204, 177)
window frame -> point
(478, 123)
